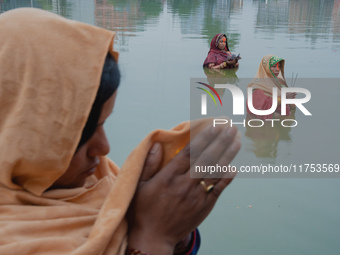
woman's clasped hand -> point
(168, 204)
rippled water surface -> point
(163, 44)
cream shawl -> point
(265, 79)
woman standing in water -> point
(219, 55)
(270, 74)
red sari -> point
(215, 55)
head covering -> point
(44, 59)
(265, 78)
(215, 55)
(50, 69)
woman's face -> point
(86, 158)
(222, 43)
(276, 69)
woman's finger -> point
(180, 164)
(215, 185)
(214, 154)
(228, 176)
(203, 141)
(152, 162)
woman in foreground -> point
(59, 193)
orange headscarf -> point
(265, 79)
(50, 69)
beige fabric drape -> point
(265, 79)
(50, 70)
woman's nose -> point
(98, 143)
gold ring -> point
(207, 188)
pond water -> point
(163, 44)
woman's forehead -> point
(222, 39)
(219, 38)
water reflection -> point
(272, 15)
(196, 17)
(221, 76)
(77, 10)
(6, 5)
(126, 16)
(336, 21)
(212, 17)
(316, 20)
(265, 140)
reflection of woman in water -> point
(219, 55)
(269, 75)
(220, 76)
(265, 139)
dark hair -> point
(109, 83)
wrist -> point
(183, 245)
(149, 244)
(186, 246)
(130, 251)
